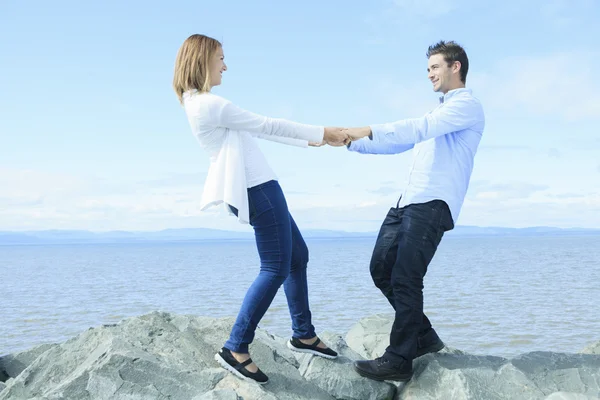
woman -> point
(240, 177)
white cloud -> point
(425, 9)
(365, 217)
(180, 179)
(554, 153)
(536, 210)
(560, 84)
(366, 204)
(512, 190)
(521, 204)
(413, 15)
(504, 148)
(406, 100)
(492, 209)
(565, 13)
(560, 13)
(41, 200)
(386, 190)
(28, 183)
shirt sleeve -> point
(456, 115)
(226, 114)
(282, 140)
(368, 146)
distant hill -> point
(530, 231)
(202, 234)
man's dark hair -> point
(452, 52)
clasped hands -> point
(342, 136)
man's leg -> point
(421, 229)
(384, 254)
(383, 259)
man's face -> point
(439, 73)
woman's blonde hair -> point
(192, 64)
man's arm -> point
(455, 115)
(367, 146)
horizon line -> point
(308, 229)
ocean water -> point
(485, 295)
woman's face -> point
(217, 66)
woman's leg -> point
(304, 338)
(296, 287)
(273, 233)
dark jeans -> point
(407, 241)
(283, 260)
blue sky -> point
(92, 136)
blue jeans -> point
(283, 260)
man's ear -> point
(456, 66)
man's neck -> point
(459, 86)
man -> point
(445, 142)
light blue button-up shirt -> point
(445, 141)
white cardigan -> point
(236, 163)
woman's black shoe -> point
(228, 361)
(296, 345)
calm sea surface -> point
(485, 295)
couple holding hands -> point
(444, 141)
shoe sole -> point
(397, 377)
(434, 348)
(234, 371)
(309, 351)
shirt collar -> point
(452, 92)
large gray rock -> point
(218, 394)
(12, 365)
(370, 336)
(593, 348)
(452, 374)
(460, 376)
(555, 372)
(569, 396)
(164, 356)
(338, 377)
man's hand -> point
(335, 136)
(357, 133)
(317, 144)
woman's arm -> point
(226, 114)
(282, 140)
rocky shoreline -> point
(170, 356)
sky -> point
(92, 136)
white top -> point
(226, 132)
(445, 141)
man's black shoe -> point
(382, 369)
(430, 342)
